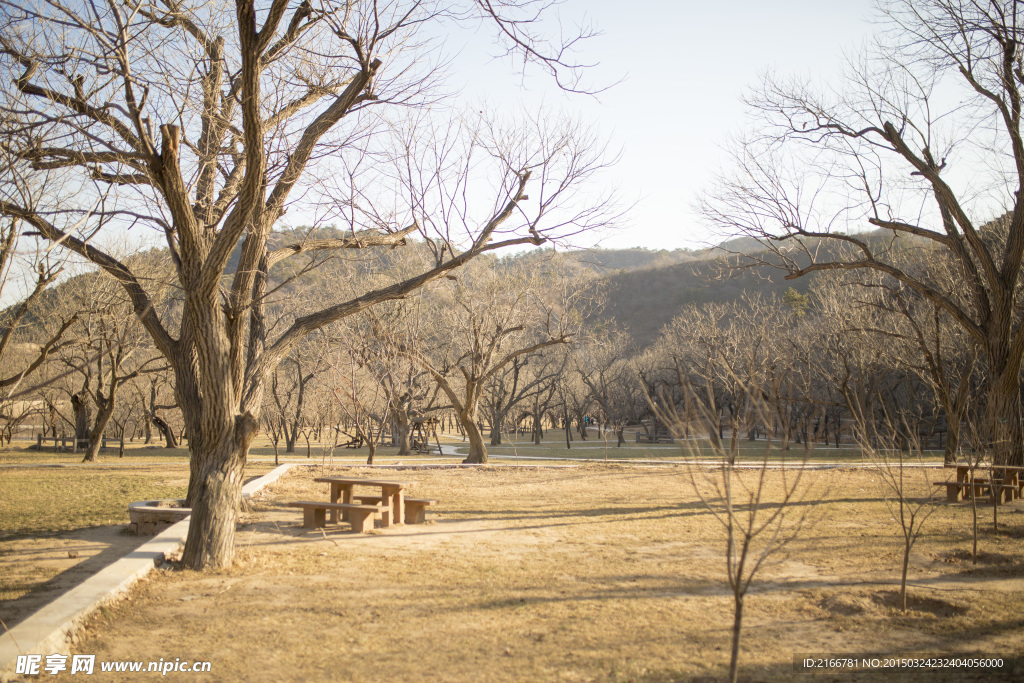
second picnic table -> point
(392, 494)
(1003, 483)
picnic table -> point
(1002, 483)
(392, 495)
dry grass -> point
(603, 573)
(37, 501)
(596, 448)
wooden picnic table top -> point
(986, 466)
(365, 482)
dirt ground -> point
(602, 573)
(33, 571)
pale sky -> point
(685, 66)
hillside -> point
(645, 288)
(643, 301)
(608, 261)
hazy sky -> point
(685, 66)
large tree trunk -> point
(952, 448)
(103, 414)
(497, 419)
(152, 411)
(1004, 421)
(477, 448)
(537, 431)
(290, 435)
(80, 404)
(170, 440)
(215, 491)
(401, 432)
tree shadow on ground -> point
(16, 611)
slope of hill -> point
(645, 288)
(605, 261)
(643, 301)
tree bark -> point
(80, 404)
(170, 441)
(477, 448)
(215, 496)
(103, 415)
(537, 432)
(402, 432)
(1004, 421)
(290, 435)
(952, 447)
(496, 421)
(737, 630)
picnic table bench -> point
(982, 487)
(415, 508)
(314, 514)
(660, 437)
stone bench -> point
(314, 514)
(981, 487)
(415, 508)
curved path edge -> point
(47, 631)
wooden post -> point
(39, 441)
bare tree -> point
(154, 395)
(206, 123)
(491, 318)
(358, 397)
(908, 491)
(755, 501)
(290, 386)
(885, 151)
(604, 366)
(110, 351)
(526, 380)
(380, 339)
(913, 334)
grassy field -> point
(513, 446)
(591, 573)
(54, 499)
(597, 449)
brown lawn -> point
(603, 573)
